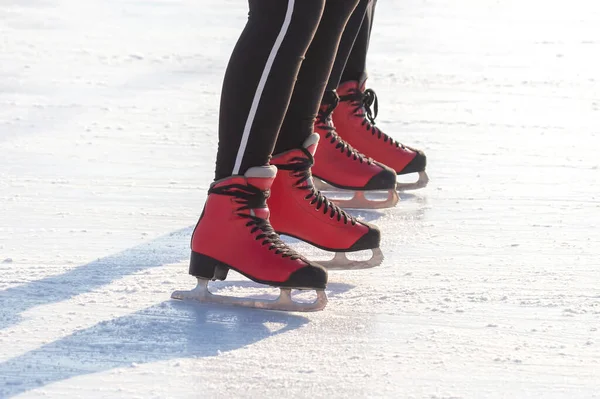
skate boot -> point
(234, 233)
(355, 122)
(339, 165)
(299, 210)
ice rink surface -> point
(490, 287)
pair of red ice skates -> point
(244, 215)
(356, 155)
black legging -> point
(271, 53)
(355, 67)
(350, 64)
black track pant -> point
(350, 64)
(351, 59)
(283, 41)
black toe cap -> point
(417, 164)
(384, 180)
(370, 240)
(312, 276)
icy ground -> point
(490, 287)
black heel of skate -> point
(208, 268)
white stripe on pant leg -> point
(261, 86)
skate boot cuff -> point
(267, 172)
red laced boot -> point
(339, 165)
(299, 210)
(355, 122)
(234, 233)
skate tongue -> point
(261, 176)
(311, 143)
(262, 213)
(309, 147)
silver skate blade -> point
(341, 262)
(359, 200)
(422, 182)
(284, 302)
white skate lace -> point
(251, 197)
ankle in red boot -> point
(339, 165)
(299, 210)
(354, 119)
(234, 233)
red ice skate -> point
(339, 165)
(234, 233)
(299, 210)
(355, 121)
